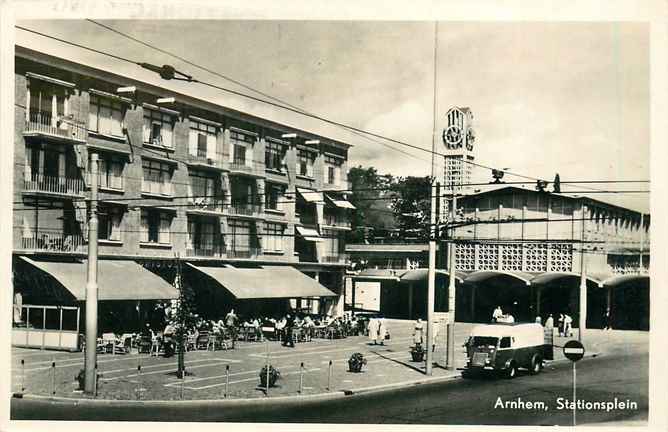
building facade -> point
(523, 250)
(178, 176)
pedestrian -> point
(437, 327)
(382, 330)
(373, 330)
(549, 322)
(568, 325)
(418, 332)
(498, 313)
(607, 321)
(560, 323)
(539, 320)
(289, 325)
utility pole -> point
(432, 224)
(582, 322)
(450, 364)
(91, 286)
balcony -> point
(334, 259)
(241, 167)
(39, 183)
(249, 252)
(244, 209)
(337, 221)
(53, 242)
(60, 128)
(163, 189)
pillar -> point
(538, 290)
(315, 305)
(410, 300)
(473, 287)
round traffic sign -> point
(574, 350)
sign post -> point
(266, 330)
(574, 351)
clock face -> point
(452, 136)
(470, 138)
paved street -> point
(621, 371)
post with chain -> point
(227, 381)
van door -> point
(505, 352)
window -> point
(109, 218)
(202, 140)
(43, 99)
(505, 342)
(158, 128)
(157, 178)
(105, 116)
(273, 237)
(305, 163)
(202, 188)
(272, 195)
(202, 235)
(240, 235)
(332, 170)
(240, 142)
(155, 226)
(111, 172)
(274, 155)
(332, 243)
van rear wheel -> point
(536, 365)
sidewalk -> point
(388, 366)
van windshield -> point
(484, 341)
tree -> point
(411, 204)
(368, 190)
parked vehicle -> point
(504, 348)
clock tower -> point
(459, 139)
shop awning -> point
(340, 203)
(265, 282)
(309, 234)
(116, 280)
(311, 196)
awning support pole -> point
(91, 286)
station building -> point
(254, 212)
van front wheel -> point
(536, 365)
(512, 371)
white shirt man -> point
(497, 314)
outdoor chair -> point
(155, 346)
(113, 344)
(202, 341)
(191, 343)
(144, 344)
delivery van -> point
(505, 348)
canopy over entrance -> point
(116, 280)
(482, 275)
(546, 278)
(627, 278)
(265, 282)
(422, 274)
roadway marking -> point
(243, 380)
(171, 369)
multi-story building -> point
(178, 176)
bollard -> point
(183, 380)
(227, 380)
(23, 376)
(138, 381)
(329, 376)
(53, 375)
(95, 381)
(301, 377)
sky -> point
(566, 97)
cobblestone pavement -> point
(387, 364)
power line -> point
(283, 106)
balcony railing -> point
(55, 242)
(243, 209)
(337, 221)
(157, 188)
(207, 204)
(208, 250)
(240, 165)
(334, 259)
(251, 252)
(45, 123)
(57, 185)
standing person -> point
(549, 322)
(231, 320)
(568, 325)
(373, 330)
(289, 325)
(418, 332)
(382, 330)
(560, 322)
(498, 313)
(607, 321)
(437, 327)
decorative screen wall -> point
(514, 257)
